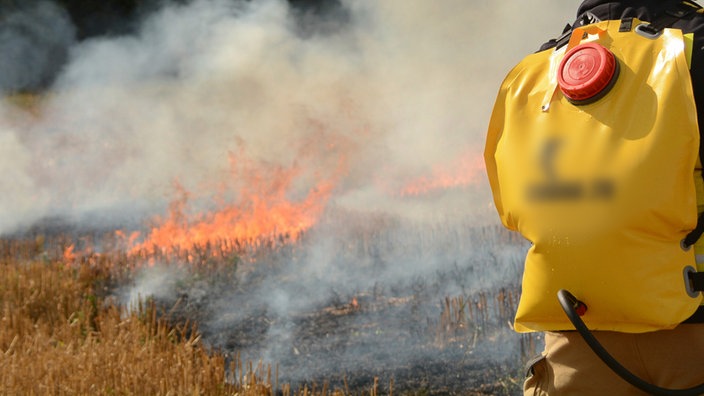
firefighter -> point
(672, 358)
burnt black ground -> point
(353, 340)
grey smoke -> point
(402, 85)
(34, 43)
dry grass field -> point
(58, 337)
(63, 333)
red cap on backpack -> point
(587, 73)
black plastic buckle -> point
(626, 25)
(697, 280)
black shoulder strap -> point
(671, 15)
(676, 11)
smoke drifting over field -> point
(368, 96)
(396, 87)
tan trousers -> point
(667, 358)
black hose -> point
(570, 304)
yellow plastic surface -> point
(605, 191)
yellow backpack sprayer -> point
(590, 153)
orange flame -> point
(262, 212)
(130, 240)
(464, 171)
(72, 254)
(69, 254)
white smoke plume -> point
(396, 86)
